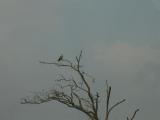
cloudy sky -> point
(121, 43)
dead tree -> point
(76, 92)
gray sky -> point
(121, 43)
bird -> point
(60, 58)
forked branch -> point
(108, 96)
(133, 116)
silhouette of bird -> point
(60, 58)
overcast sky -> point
(121, 43)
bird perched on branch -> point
(60, 58)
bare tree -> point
(76, 93)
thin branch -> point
(108, 110)
(115, 105)
(107, 100)
(97, 100)
(134, 114)
(108, 97)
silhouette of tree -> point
(76, 93)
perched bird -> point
(60, 58)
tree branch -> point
(115, 105)
(134, 114)
(108, 110)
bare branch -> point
(97, 100)
(108, 96)
(108, 110)
(108, 91)
(134, 114)
(115, 105)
